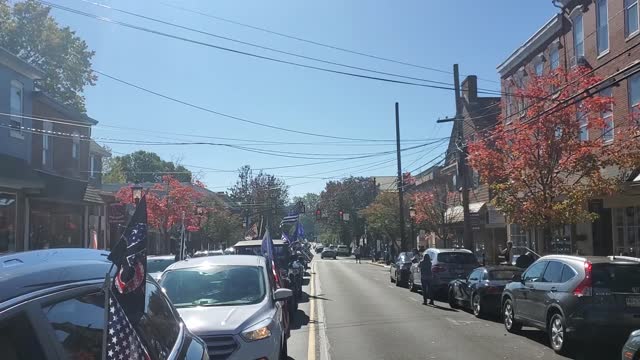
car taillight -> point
(584, 288)
(438, 269)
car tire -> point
(558, 337)
(476, 305)
(412, 286)
(452, 300)
(509, 317)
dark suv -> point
(52, 307)
(571, 297)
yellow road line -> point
(311, 353)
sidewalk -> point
(379, 263)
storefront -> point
(8, 221)
(625, 220)
(55, 225)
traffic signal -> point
(318, 214)
(341, 214)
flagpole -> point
(106, 289)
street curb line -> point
(311, 351)
(377, 264)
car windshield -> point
(158, 265)
(456, 258)
(616, 277)
(217, 285)
(500, 275)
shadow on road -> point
(436, 306)
(581, 350)
(300, 319)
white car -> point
(157, 264)
(230, 302)
(343, 250)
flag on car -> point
(299, 233)
(125, 295)
(267, 245)
(285, 238)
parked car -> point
(232, 303)
(157, 264)
(328, 252)
(573, 297)
(343, 250)
(52, 306)
(446, 266)
(319, 248)
(399, 270)
(481, 291)
(631, 349)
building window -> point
(8, 217)
(16, 108)
(75, 145)
(539, 68)
(630, 17)
(634, 93)
(554, 58)
(92, 166)
(583, 120)
(47, 127)
(607, 117)
(602, 23)
(626, 231)
(578, 35)
(518, 235)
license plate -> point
(633, 301)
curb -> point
(378, 264)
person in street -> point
(425, 278)
(506, 253)
(415, 254)
(357, 252)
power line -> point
(314, 42)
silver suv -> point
(446, 265)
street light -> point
(136, 193)
(300, 206)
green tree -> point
(222, 227)
(143, 166)
(383, 217)
(349, 195)
(262, 198)
(27, 30)
(308, 219)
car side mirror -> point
(282, 294)
(517, 277)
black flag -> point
(130, 258)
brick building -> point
(601, 35)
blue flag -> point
(299, 231)
(267, 245)
(285, 238)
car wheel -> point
(558, 334)
(509, 317)
(476, 305)
(452, 300)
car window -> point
(501, 275)
(18, 340)
(567, 274)
(553, 273)
(485, 276)
(159, 326)
(78, 324)
(475, 275)
(456, 258)
(534, 273)
(158, 265)
(616, 277)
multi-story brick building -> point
(601, 35)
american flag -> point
(122, 340)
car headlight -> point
(258, 331)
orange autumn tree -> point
(167, 201)
(545, 162)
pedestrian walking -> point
(357, 252)
(506, 253)
(426, 280)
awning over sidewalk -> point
(16, 174)
(68, 189)
(456, 214)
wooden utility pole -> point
(400, 180)
(462, 162)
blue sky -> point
(429, 33)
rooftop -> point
(241, 260)
(14, 62)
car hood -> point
(214, 320)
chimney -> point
(470, 88)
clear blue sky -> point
(478, 35)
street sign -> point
(345, 217)
(117, 214)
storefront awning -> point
(68, 189)
(16, 174)
(455, 214)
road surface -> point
(354, 312)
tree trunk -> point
(546, 238)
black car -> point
(481, 291)
(52, 307)
(573, 297)
(400, 268)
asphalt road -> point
(352, 311)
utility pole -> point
(400, 180)
(462, 162)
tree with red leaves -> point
(166, 202)
(545, 162)
(431, 213)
